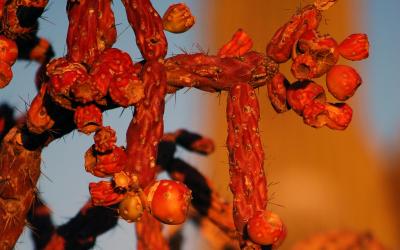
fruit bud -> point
(355, 47)
(88, 118)
(169, 201)
(130, 208)
(178, 18)
(266, 228)
(342, 81)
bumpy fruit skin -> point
(8, 50)
(178, 18)
(88, 118)
(355, 47)
(300, 94)
(104, 139)
(126, 89)
(266, 228)
(63, 75)
(169, 201)
(5, 74)
(239, 45)
(342, 81)
(130, 208)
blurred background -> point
(320, 179)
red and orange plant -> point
(74, 91)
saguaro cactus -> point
(74, 91)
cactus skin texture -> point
(148, 27)
(246, 158)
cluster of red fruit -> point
(313, 56)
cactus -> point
(74, 91)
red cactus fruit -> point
(103, 194)
(169, 201)
(130, 208)
(103, 165)
(114, 61)
(304, 67)
(5, 74)
(299, 94)
(355, 47)
(342, 81)
(266, 228)
(339, 115)
(88, 118)
(178, 18)
(314, 114)
(8, 50)
(104, 139)
(126, 89)
(63, 75)
(322, 49)
(280, 47)
(333, 115)
(37, 119)
(277, 92)
(239, 45)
